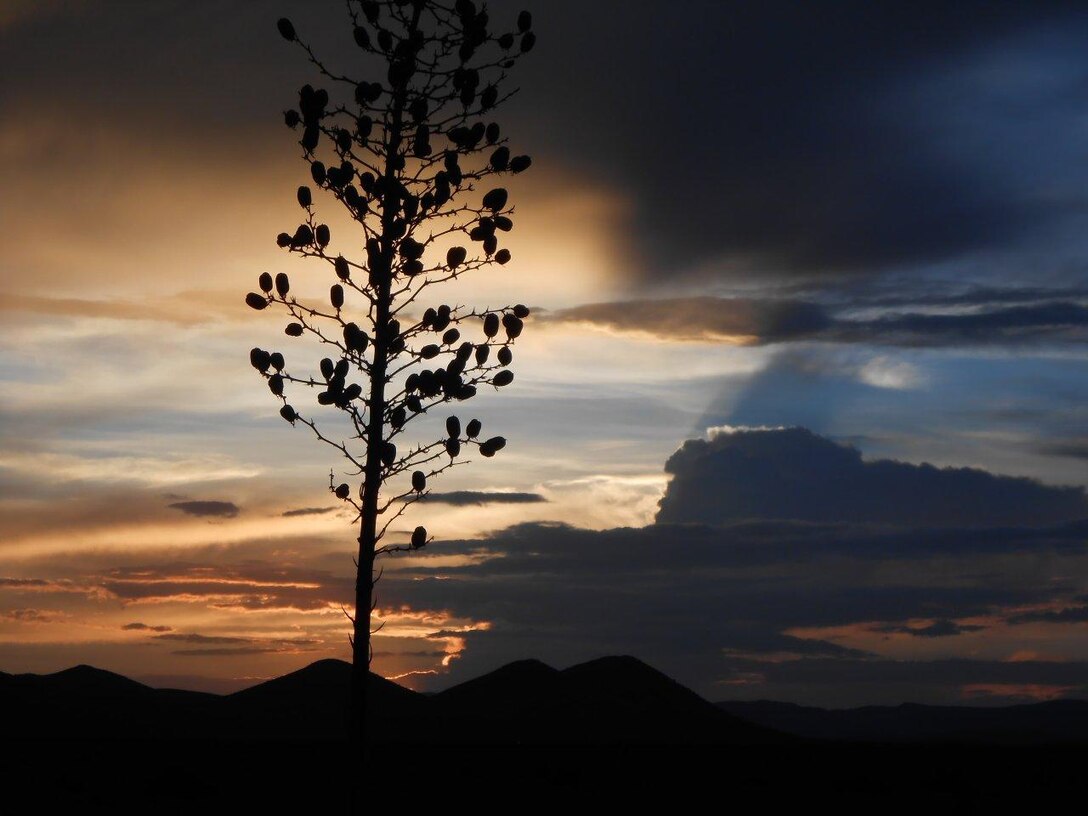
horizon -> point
(799, 412)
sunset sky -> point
(768, 247)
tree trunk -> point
(359, 719)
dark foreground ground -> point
(613, 733)
(282, 777)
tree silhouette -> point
(407, 154)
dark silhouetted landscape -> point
(613, 727)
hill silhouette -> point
(1051, 722)
(613, 727)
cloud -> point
(462, 498)
(307, 511)
(1068, 614)
(937, 629)
(795, 474)
(1073, 448)
(140, 627)
(207, 509)
(748, 321)
(743, 321)
(197, 638)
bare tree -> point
(409, 150)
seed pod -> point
(429, 352)
(309, 140)
(491, 243)
(411, 384)
(482, 353)
(260, 359)
(283, 240)
(503, 223)
(362, 38)
(389, 454)
(255, 301)
(455, 367)
(341, 265)
(411, 249)
(504, 377)
(385, 40)
(525, 22)
(528, 40)
(342, 368)
(353, 392)
(318, 172)
(505, 356)
(326, 398)
(419, 481)
(495, 200)
(414, 404)
(288, 413)
(492, 446)
(294, 330)
(502, 257)
(275, 359)
(500, 159)
(398, 418)
(506, 42)
(287, 31)
(456, 256)
(451, 337)
(328, 368)
(513, 325)
(336, 296)
(419, 537)
(491, 325)
(305, 198)
(489, 97)
(265, 282)
(343, 491)
(474, 428)
(412, 268)
(492, 133)
(303, 236)
(323, 235)
(521, 311)
(275, 385)
(464, 351)
(453, 448)
(291, 118)
(355, 338)
(364, 125)
(283, 284)
(519, 164)
(453, 427)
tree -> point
(407, 154)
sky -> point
(799, 413)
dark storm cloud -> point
(462, 498)
(694, 599)
(807, 137)
(207, 509)
(761, 321)
(790, 137)
(795, 474)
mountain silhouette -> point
(1055, 721)
(613, 727)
